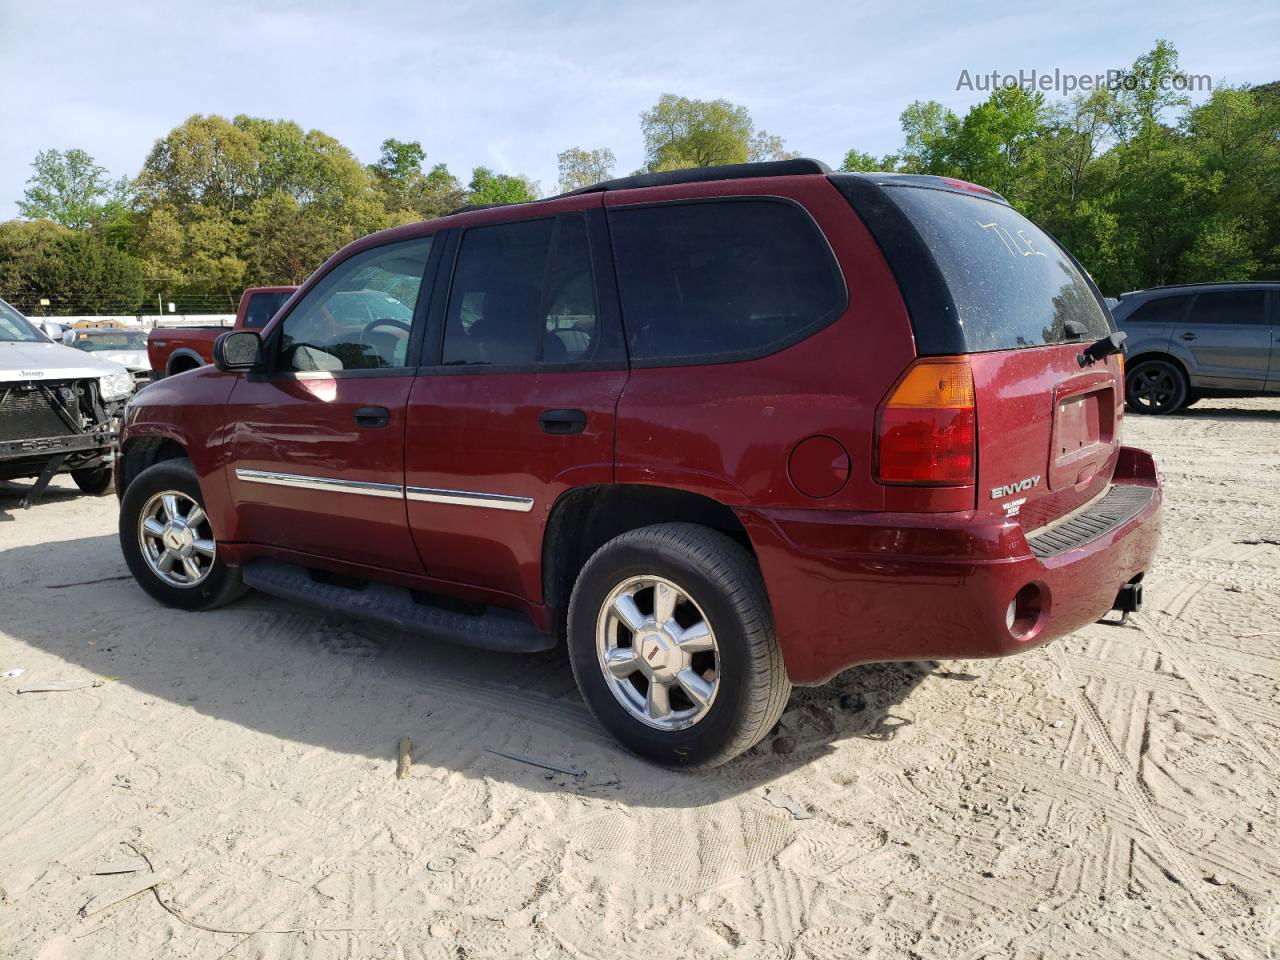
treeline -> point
(1143, 187)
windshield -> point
(1012, 284)
(114, 340)
(14, 326)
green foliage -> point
(1140, 194)
(71, 189)
(584, 168)
(78, 271)
(855, 161)
(489, 187)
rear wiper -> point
(1111, 343)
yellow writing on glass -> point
(1020, 246)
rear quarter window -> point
(722, 280)
(1012, 284)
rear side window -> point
(1163, 310)
(1229, 306)
(1012, 284)
(262, 307)
(523, 293)
(721, 280)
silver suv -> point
(1199, 340)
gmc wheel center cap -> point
(177, 536)
(660, 654)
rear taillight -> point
(927, 427)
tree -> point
(584, 168)
(996, 143)
(855, 161)
(400, 160)
(679, 132)
(926, 129)
(71, 189)
(489, 187)
(1152, 85)
(207, 161)
(408, 193)
(78, 271)
(765, 146)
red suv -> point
(722, 431)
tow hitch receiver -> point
(1128, 600)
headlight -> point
(116, 386)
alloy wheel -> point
(176, 539)
(658, 653)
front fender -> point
(190, 410)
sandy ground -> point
(1114, 795)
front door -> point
(317, 463)
(1229, 338)
(519, 405)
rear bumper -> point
(850, 588)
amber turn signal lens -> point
(936, 384)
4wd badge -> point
(1009, 489)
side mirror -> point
(237, 350)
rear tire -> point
(1156, 387)
(157, 513)
(711, 648)
(94, 481)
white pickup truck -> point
(59, 409)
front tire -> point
(672, 644)
(169, 543)
(1156, 387)
(94, 481)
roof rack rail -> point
(1203, 283)
(728, 171)
(469, 207)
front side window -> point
(360, 315)
(523, 293)
(1229, 306)
(711, 280)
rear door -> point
(1229, 338)
(1047, 427)
(515, 402)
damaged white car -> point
(59, 409)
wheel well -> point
(144, 452)
(181, 363)
(584, 519)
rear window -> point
(721, 280)
(262, 307)
(1012, 284)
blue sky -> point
(509, 84)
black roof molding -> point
(728, 171)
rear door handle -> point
(373, 417)
(562, 421)
(1188, 336)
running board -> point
(493, 629)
